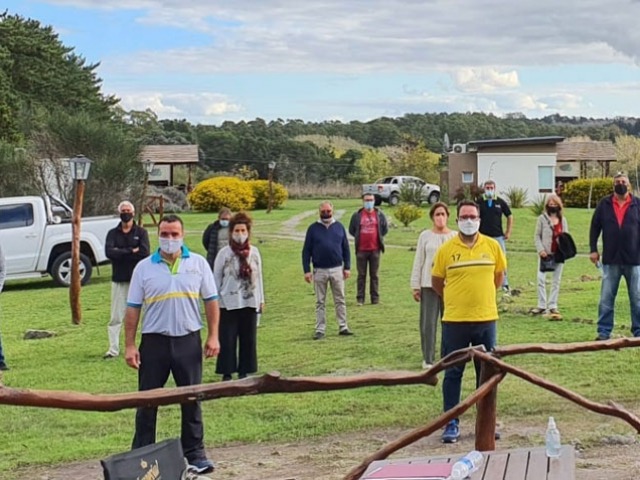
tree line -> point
(52, 107)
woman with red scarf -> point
(238, 273)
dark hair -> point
(368, 195)
(467, 203)
(435, 206)
(171, 218)
(223, 211)
(240, 218)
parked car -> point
(35, 233)
(387, 189)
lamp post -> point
(148, 168)
(80, 166)
(272, 167)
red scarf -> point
(242, 251)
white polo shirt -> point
(170, 299)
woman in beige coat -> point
(550, 224)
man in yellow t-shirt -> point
(466, 272)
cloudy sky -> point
(216, 60)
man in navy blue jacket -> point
(617, 217)
(327, 247)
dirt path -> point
(331, 458)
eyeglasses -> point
(469, 217)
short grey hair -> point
(126, 203)
(326, 202)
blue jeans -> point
(457, 335)
(501, 241)
(609, 289)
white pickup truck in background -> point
(387, 189)
(35, 234)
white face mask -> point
(469, 227)
(170, 245)
(240, 238)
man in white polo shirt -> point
(167, 286)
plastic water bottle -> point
(468, 464)
(552, 439)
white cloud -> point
(189, 105)
(484, 79)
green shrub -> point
(470, 191)
(411, 193)
(214, 193)
(516, 196)
(406, 213)
(576, 192)
(537, 205)
(261, 193)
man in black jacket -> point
(617, 217)
(216, 235)
(126, 245)
(368, 226)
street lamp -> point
(148, 169)
(272, 167)
(80, 166)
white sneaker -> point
(426, 366)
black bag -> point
(566, 247)
(164, 460)
(547, 264)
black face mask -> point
(553, 209)
(126, 217)
(620, 188)
(325, 216)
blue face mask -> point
(224, 223)
(489, 193)
(368, 205)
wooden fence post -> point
(486, 412)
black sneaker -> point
(318, 336)
(201, 466)
(345, 332)
(3, 367)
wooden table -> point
(518, 464)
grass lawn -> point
(386, 338)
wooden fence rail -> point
(494, 369)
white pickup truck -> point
(35, 234)
(387, 189)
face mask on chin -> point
(469, 227)
(170, 246)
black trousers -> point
(238, 349)
(182, 357)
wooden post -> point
(75, 286)
(144, 198)
(486, 412)
(270, 206)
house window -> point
(545, 179)
(467, 177)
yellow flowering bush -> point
(212, 194)
(261, 192)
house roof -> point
(170, 154)
(504, 142)
(586, 151)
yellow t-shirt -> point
(469, 290)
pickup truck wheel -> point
(434, 197)
(61, 269)
(394, 200)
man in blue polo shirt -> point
(167, 286)
(327, 247)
